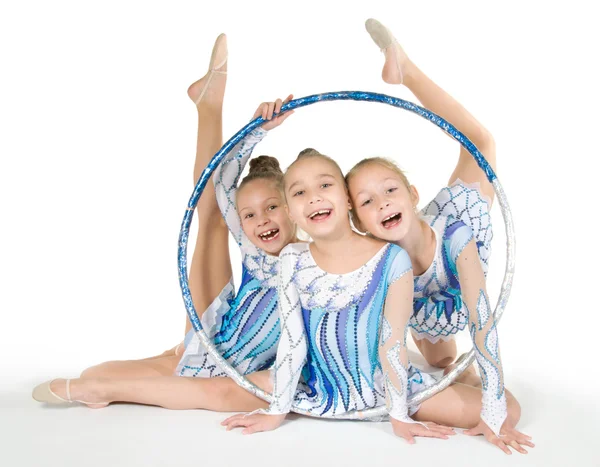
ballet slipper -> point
(384, 39)
(43, 393)
(218, 59)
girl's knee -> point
(443, 363)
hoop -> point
(465, 361)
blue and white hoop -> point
(466, 360)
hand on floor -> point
(431, 430)
(508, 437)
(254, 423)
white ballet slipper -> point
(43, 393)
(218, 59)
(384, 39)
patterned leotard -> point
(329, 357)
(245, 326)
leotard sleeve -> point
(226, 178)
(392, 349)
(484, 334)
(292, 349)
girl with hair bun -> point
(245, 325)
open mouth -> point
(320, 215)
(269, 235)
(392, 221)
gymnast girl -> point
(244, 326)
(345, 301)
(448, 243)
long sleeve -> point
(292, 349)
(226, 178)
(392, 349)
(484, 334)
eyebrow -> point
(318, 176)
(272, 198)
(383, 181)
(265, 201)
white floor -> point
(564, 430)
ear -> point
(414, 194)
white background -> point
(97, 147)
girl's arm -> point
(392, 349)
(393, 352)
(483, 331)
(291, 355)
(226, 178)
(227, 174)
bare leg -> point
(441, 354)
(170, 392)
(468, 377)
(460, 406)
(211, 267)
(399, 69)
(149, 367)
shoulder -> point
(293, 248)
(399, 263)
(457, 229)
(457, 236)
(290, 253)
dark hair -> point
(263, 168)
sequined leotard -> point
(244, 327)
(329, 359)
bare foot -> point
(85, 391)
(210, 89)
(468, 377)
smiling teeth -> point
(322, 211)
(267, 233)
(389, 217)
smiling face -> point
(383, 203)
(316, 197)
(264, 220)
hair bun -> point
(264, 164)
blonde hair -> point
(263, 168)
(384, 162)
(310, 152)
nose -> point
(262, 221)
(316, 199)
(384, 205)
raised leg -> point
(211, 266)
(400, 69)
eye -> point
(299, 193)
(249, 216)
(391, 190)
(366, 202)
(326, 185)
(272, 207)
